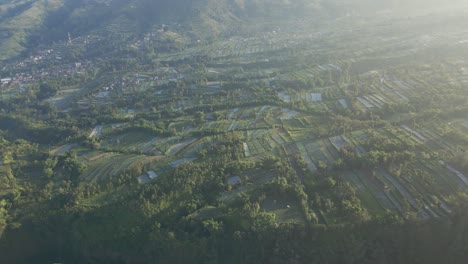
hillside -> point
(234, 131)
(18, 19)
(24, 24)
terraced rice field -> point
(343, 103)
(338, 142)
(103, 166)
(365, 102)
(177, 163)
(129, 142)
(177, 148)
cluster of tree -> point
(47, 90)
(147, 231)
(66, 165)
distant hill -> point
(27, 23)
(18, 18)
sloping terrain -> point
(25, 24)
(230, 131)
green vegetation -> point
(227, 132)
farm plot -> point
(301, 134)
(293, 123)
(451, 181)
(61, 100)
(313, 97)
(465, 124)
(254, 134)
(374, 100)
(248, 114)
(338, 142)
(233, 125)
(97, 131)
(425, 191)
(402, 85)
(378, 191)
(380, 99)
(260, 114)
(232, 114)
(436, 142)
(177, 148)
(129, 142)
(255, 148)
(315, 153)
(364, 193)
(257, 177)
(460, 175)
(103, 94)
(303, 152)
(400, 134)
(285, 136)
(366, 103)
(329, 151)
(221, 125)
(329, 67)
(350, 140)
(343, 103)
(288, 114)
(63, 149)
(284, 97)
(446, 183)
(307, 121)
(192, 149)
(401, 96)
(415, 133)
(380, 87)
(240, 125)
(181, 125)
(359, 137)
(208, 125)
(278, 139)
(269, 142)
(106, 129)
(149, 147)
(390, 180)
(165, 144)
(286, 209)
(103, 167)
(290, 149)
(177, 163)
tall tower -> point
(69, 39)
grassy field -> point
(286, 209)
(103, 166)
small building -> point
(152, 175)
(147, 177)
(143, 179)
(6, 80)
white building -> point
(152, 175)
(6, 80)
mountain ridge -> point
(24, 24)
